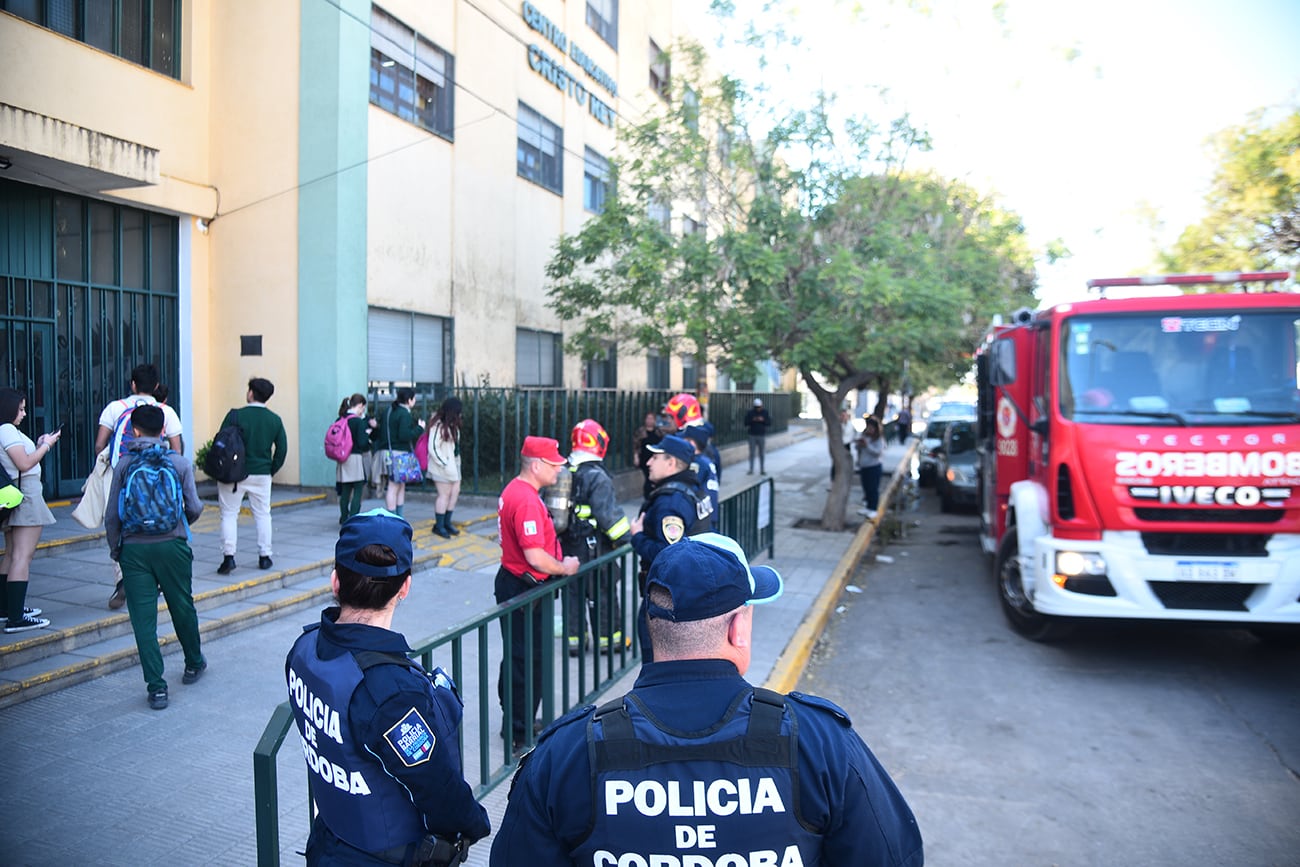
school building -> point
(336, 195)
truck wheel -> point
(1015, 605)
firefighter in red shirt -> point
(530, 553)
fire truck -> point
(1140, 457)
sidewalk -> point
(116, 783)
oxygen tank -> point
(558, 499)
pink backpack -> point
(338, 440)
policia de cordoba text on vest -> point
(722, 797)
(323, 718)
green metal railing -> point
(609, 582)
(496, 420)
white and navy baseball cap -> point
(707, 576)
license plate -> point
(1223, 570)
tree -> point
(1252, 219)
(819, 250)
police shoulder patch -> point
(412, 739)
(823, 704)
(673, 528)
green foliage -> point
(1252, 219)
(819, 250)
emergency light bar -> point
(1190, 279)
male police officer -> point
(379, 735)
(706, 471)
(596, 526)
(674, 509)
(694, 765)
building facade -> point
(336, 195)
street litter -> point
(840, 610)
(884, 558)
(853, 588)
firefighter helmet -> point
(684, 409)
(589, 436)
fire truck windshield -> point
(1220, 368)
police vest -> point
(360, 803)
(703, 505)
(726, 796)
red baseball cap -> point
(544, 448)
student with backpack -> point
(348, 442)
(151, 504)
(115, 430)
(265, 447)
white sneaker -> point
(870, 513)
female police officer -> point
(379, 734)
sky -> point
(1089, 118)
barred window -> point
(410, 76)
(540, 150)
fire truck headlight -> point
(1075, 563)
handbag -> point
(11, 496)
(94, 493)
(403, 468)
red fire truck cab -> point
(1140, 458)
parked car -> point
(957, 473)
(932, 439)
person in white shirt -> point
(112, 430)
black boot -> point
(448, 525)
(438, 529)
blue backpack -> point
(151, 501)
(123, 436)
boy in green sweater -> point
(266, 446)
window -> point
(538, 358)
(691, 109)
(540, 150)
(602, 371)
(690, 373)
(657, 370)
(602, 16)
(141, 31)
(595, 182)
(410, 76)
(691, 226)
(659, 212)
(659, 71)
(405, 347)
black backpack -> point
(226, 461)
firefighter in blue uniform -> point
(706, 471)
(594, 524)
(378, 733)
(694, 763)
(674, 509)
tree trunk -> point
(836, 503)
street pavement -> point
(98, 777)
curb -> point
(793, 660)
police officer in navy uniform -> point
(694, 762)
(378, 733)
(674, 509)
(706, 471)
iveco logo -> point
(1211, 495)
